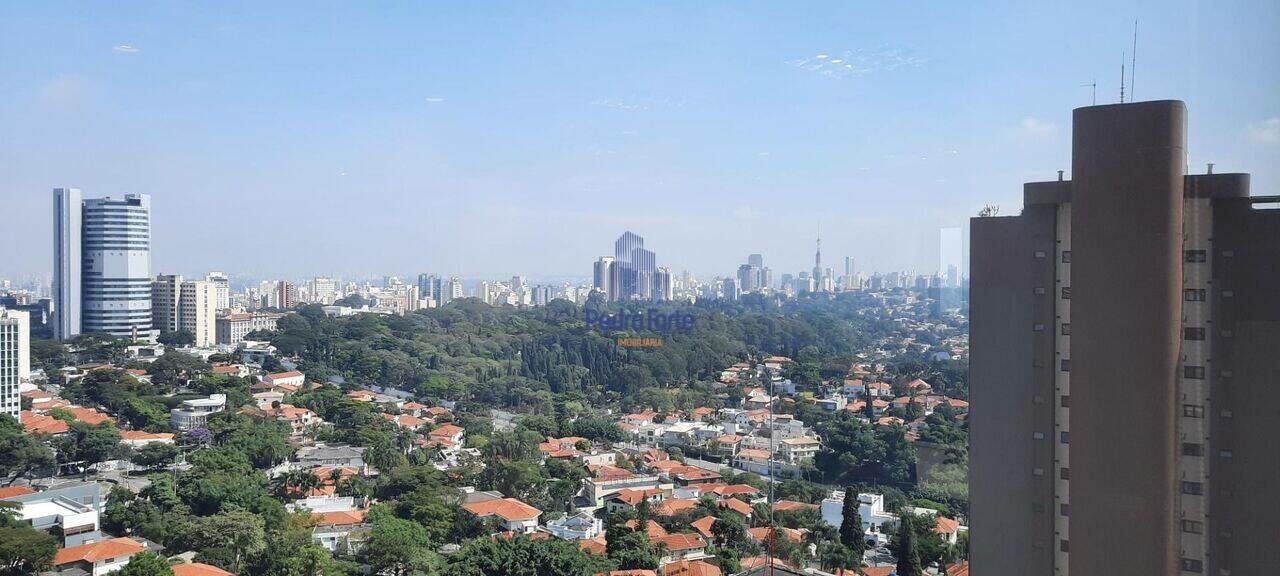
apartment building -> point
(1123, 337)
(15, 359)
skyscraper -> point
(222, 289)
(15, 358)
(429, 287)
(602, 275)
(286, 295)
(102, 265)
(67, 228)
(632, 273)
(817, 266)
(1123, 338)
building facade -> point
(116, 266)
(67, 228)
(232, 328)
(1120, 329)
(15, 358)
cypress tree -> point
(908, 555)
(851, 534)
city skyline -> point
(494, 128)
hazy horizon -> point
(288, 141)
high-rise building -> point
(602, 275)
(756, 260)
(429, 287)
(166, 290)
(451, 290)
(15, 358)
(102, 265)
(632, 273)
(222, 289)
(1123, 337)
(68, 210)
(286, 295)
(748, 278)
(188, 306)
(662, 288)
(323, 290)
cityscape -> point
(1075, 379)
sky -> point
(285, 140)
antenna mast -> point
(1093, 92)
(1122, 59)
(1134, 65)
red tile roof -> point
(691, 568)
(508, 508)
(339, 518)
(678, 542)
(113, 548)
(198, 569)
(11, 491)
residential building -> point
(232, 328)
(98, 558)
(514, 515)
(877, 523)
(222, 289)
(1123, 329)
(189, 306)
(284, 296)
(15, 359)
(195, 412)
(69, 511)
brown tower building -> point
(1124, 364)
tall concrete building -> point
(1124, 330)
(185, 305)
(602, 275)
(15, 358)
(67, 227)
(102, 265)
(222, 289)
(285, 295)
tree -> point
(146, 564)
(23, 549)
(521, 556)
(398, 547)
(908, 555)
(629, 549)
(851, 534)
(179, 338)
(155, 455)
(237, 533)
(88, 443)
(23, 453)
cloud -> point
(125, 48)
(859, 62)
(435, 99)
(1266, 131)
(1037, 128)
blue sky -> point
(396, 137)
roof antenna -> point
(1122, 55)
(1134, 64)
(1093, 91)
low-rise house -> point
(691, 568)
(515, 516)
(98, 558)
(753, 460)
(292, 378)
(198, 569)
(629, 498)
(672, 506)
(676, 547)
(877, 523)
(578, 527)
(332, 455)
(42, 424)
(139, 438)
(797, 450)
(195, 412)
(70, 511)
(835, 402)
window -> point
(1193, 372)
(1193, 333)
(1037, 327)
(1192, 449)
(1192, 527)
(1064, 473)
(1193, 488)
(1064, 546)
(1066, 292)
(1065, 400)
(1225, 454)
(1066, 365)
(1037, 471)
(1037, 435)
(1040, 254)
(1064, 437)
(1192, 565)
(1228, 294)
(1196, 256)
(1064, 509)
(1193, 295)
(1066, 329)
(1193, 410)
(1039, 290)
(1066, 256)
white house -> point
(579, 527)
(516, 516)
(876, 522)
(195, 413)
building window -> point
(1064, 546)
(1040, 254)
(1192, 449)
(1066, 292)
(1064, 437)
(1039, 290)
(1192, 565)
(1192, 527)
(1196, 256)
(1066, 256)
(1066, 329)
(1225, 454)
(1193, 488)
(1064, 509)
(1193, 372)
(1193, 410)
(1037, 471)
(1066, 365)
(1193, 333)
(1065, 400)
(1037, 435)
(1037, 327)
(1193, 295)
(1064, 473)
(1228, 294)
